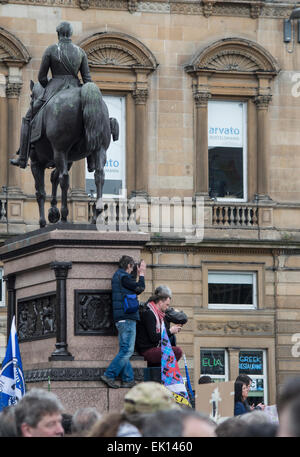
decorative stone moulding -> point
(12, 51)
(113, 49)
(236, 55)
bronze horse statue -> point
(75, 125)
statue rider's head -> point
(64, 30)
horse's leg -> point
(99, 178)
(53, 213)
(63, 176)
(38, 172)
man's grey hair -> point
(34, 406)
(84, 419)
(165, 290)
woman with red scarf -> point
(148, 336)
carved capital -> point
(262, 101)
(84, 4)
(61, 269)
(140, 96)
(207, 8)
(132, 6)
(201, 98)
(13, 90)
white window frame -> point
(121, 143)
(217, 377)
(2, 299)
(245, 153)
(231, 274)
(264, 376)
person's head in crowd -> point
(115, 425)
(185, 423)
(84, 419)
(231, 427)
(289, 419)
(39, 414)
(126, 263)
(245, 378)
(205, 379)
(255, 430)
(7, 423)
(148, 397)
(240, 391)
(255, 417)
(288, 392)
(161, 301)
(162, 289)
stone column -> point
(3, 133)
(78, 179)
(11, 299)
(201, 168)
(233, 363)
(13, 92)
(141, 152)
(61, 270)
(262, 104)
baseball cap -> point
(148, 397)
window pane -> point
(236, 294)
(227, 149)
(212, 362)
(231, 288)
(115, 168)
(251, 362)
(226, 172)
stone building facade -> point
(178, 66)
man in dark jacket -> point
(65, 60)
(123, 284)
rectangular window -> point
(214, 363)
(232, 290)
(115, 168)
(253, 362)
(227, 150)
(2, 288)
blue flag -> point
(188, 381)
(170, 373)
(12, 385)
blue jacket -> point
(239, 408)
(119, 291)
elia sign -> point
(212, 362)
(251, 362)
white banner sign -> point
(225, 124)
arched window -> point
(232, 89)
(121, 65)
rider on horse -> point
(65, 60)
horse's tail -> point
(91, 100)
(114, 128)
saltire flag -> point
(188, 381)
(170, 373)
(12, 385)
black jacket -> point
(146, 336)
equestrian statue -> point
(67, 121)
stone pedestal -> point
(59, 288)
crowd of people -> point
(149, 410)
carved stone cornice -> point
(13, 90)
(132, 6)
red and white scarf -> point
(159, 315)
